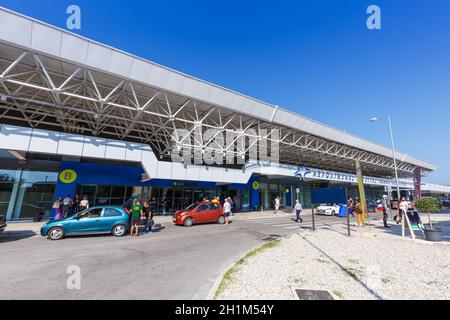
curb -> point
(218, 281)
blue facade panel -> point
(107, 174)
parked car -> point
(196, 213)
(328, 209)
(371, 206)
(2, 223)
(445, 203)
(95, 220)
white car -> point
(327, 209)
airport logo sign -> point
(68, 176)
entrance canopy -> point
(56, 80)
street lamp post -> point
(395, 167)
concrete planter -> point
(433, 235)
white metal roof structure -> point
(53, 79)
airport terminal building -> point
(77, 116)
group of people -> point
(229, 206)
(354, 207)
(141, 212)
(63, 208)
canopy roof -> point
(54, 79)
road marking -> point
(293, 227)
(285, 224)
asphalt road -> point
(174, 263)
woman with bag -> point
(403, 206)
(57, 208)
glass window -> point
(244, 204)
(34, 199)
(103, 195)
(111, 212)
(191, 207)
(5, 196)
(117, 195)
(9, 175)
(90, 192)
(202, 208)
(95, 213)
(90, 213)
(212, 206)
(177, 199)
(38, 177)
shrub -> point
(426, 204)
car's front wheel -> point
(333, 213)
(221, 220)
(119, 230)
(56, 233)
(188, 222)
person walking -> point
(277, 204)
(84, 204)
(298, 210)
(350, 206)
(136, 214)
(384, 203)
(360, 215)
(403, 207)
(153, 206)
(227, 211)
(66, 205)
(57, 208)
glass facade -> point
(168, 199)
(25, 194)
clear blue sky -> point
(316, 58)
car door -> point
(201, 213)
(109, 218)
(88, 222)
(213, 213)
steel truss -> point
(43, 92)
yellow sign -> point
(255, 185)
(362, 195)
(68, 176)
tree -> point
(427, 204)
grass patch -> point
(321, 260)
(353, 273)
(386, 280)
(228, 276)
(338, 294)
(353, 261)
(296, 280)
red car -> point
(202, 212)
